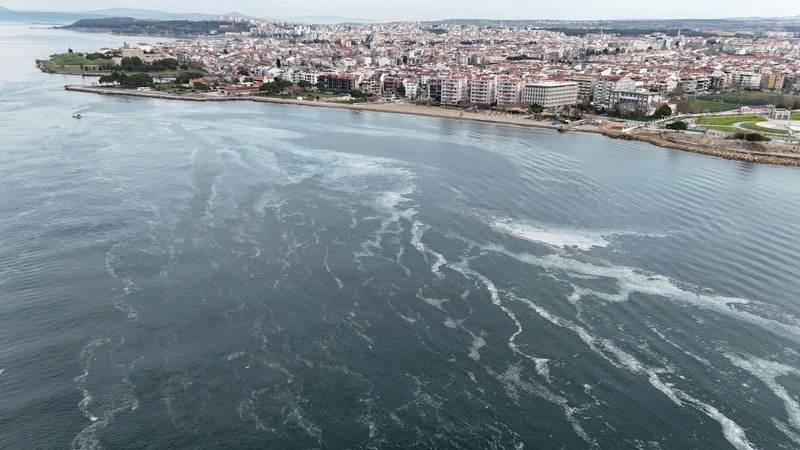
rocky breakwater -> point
(753, 153)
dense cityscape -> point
(492, 65)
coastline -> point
(757, 155)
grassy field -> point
(724, 128)
(69, 59)
(728, 120)
(795, 116)
(737, 98)
(765, 130)
(705, 106)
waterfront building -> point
(550, 94)
(482, 91)
(455, 89)
(634, 102)
(508, 91)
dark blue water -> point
(248, 275)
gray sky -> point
(442, 9)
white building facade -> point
(550, 94)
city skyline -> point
(420, 10)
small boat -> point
(76, 116)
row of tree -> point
(135, 64)
(127, 80)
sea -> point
(242, 275)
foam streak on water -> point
(239, 274)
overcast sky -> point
(441, 9)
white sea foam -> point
(87, 438)
(542, 368)
(554, 237)
(477, 343)
(630, 280)
(417, 232)
(619, 358)
(449, 323)
(328, 268)
(235, 356)
(435, 302)
(768, 372)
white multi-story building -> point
(585, 87)
(605, 85)
(746, 80)
(508, 91)
(634, 102)
(296, 77)
(455, 89)
(482, 90)
(411, 86)
(550, 94)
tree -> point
(755, 137)
(304, 85)
(663, 111)
(275, 86)
(536, 108)
(114, 78)
(136, 80)
(202, 87)
(679, 125)
(184, 77)
(357, 94)
(401, 90)
(243, 72)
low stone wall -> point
(736, 155)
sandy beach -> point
(778, 153)
(396, 108)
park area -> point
(730, 101)
(740, 123)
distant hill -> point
(151, 14)
(7, 15)
(149, 27)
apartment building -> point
(585, 87)
(772, 81)
(336, 82)
(296, 77)
(745, 80)
(608, 84)
(550, 94)
(482, 91)
(455, 89)
(411, 86)
(508, 91)
(434, 88)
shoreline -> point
(659, 140)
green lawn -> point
(69, 59)
(752, 98)
(765, 130)
(795, 116)
(725, 128)
(728, 120)
(704, 106)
